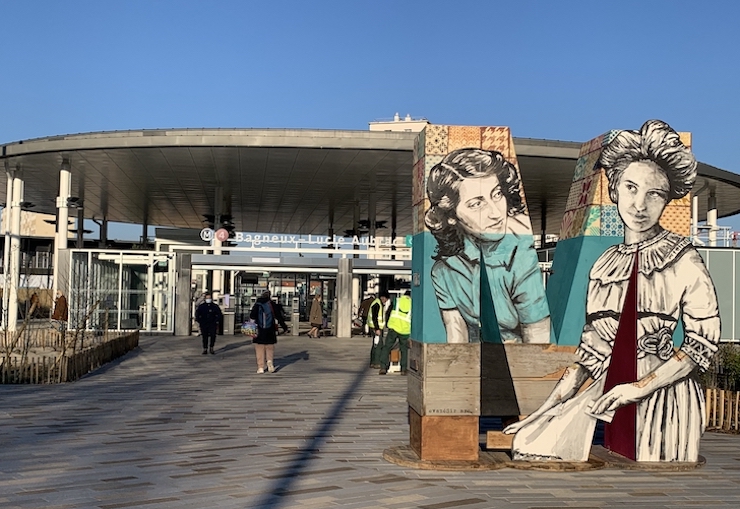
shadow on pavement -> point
(294, 469)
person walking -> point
(280, 314)
(376, 320)
(263, 312)
(399, 329)
(365, 311)
(209, 317)
(316, 317)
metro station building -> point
(308, 211)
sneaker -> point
(382, 371)
(270, 367)
(212, 352)
(374, 366)
(403, 372)
(260, 371)
(205, 351)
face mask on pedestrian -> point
(208, 301)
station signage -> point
(282, 240)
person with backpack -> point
(263, 313)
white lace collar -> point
(656, 254)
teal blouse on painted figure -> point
(513, 275)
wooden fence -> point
(723, 409)
(56, 368)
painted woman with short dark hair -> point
(646, 169)
(478, 218)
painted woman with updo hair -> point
(478, 218)
(646, 169)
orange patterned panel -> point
(677, 219)
(463, 137)
(436, 140)
(496, 138)
(685, 139)
(605, 200)
(683, 202)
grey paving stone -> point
(165, 427)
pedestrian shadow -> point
(235, 346)
(287, 360)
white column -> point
(218, 275)
(60, 241)
(694, 217)
(7, 217)
(712, 219)
(15, 253)
(371, 217)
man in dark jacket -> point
(209, 317)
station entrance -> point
(294, 290)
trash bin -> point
(228, 324)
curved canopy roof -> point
(278, 180)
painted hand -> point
(512, 428)
(621, 395)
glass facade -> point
(120, 290)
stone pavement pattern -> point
(167, 427)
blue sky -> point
(566, 70)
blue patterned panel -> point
(611, 223)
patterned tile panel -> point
(418, 216)
(685, 138)
(496, 138)
(589, 192)
(605, 200)
(572, 225)
(592, 221)
(677, 219)
(611, 223)
(609, 136)
(435, 141)
(463, 137)
(430, 162)
(590, 164)
(682, 202)
(419, 142)
(580, 168)
(585, 149)
(419, 184)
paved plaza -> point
(167, 427)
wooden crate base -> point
(444, 438)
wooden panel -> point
(525, 360)
(444, 395)
(444, 438)
(444, 359)
(498, 398)
(496, 440)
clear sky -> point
(566, 70)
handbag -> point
(249, 328)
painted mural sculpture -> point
(628, 373)
(478, 217)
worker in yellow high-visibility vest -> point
(376, 320)
(399, 329)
